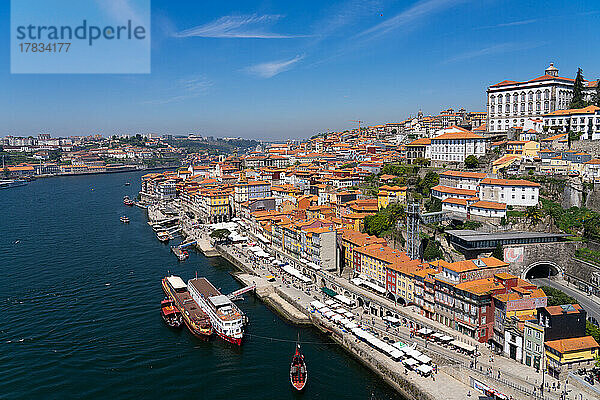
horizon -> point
(279, 72)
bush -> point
(557, 297)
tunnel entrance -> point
(542, 270)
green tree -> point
(424, 162)
(430, 180)
(557, 297)
(220, 234)
(592, 330)
(578, 101)
(376, 224)
(433, 250)
(498, 252)
(533, 214)
(471, 162)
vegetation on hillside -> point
(557, 297)
(574, 220)
(384, 222)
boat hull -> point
(197, 331)
(236, 341)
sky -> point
(279, 70)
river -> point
(80, 299)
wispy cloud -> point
(272, 68)
(184, 89)
(237, 26)
(408, 17)
(494, 49)
(508, 24)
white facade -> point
(455, 145)
(511, 103)
(583, 120)
(518, 193)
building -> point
(585, 121)
(566, 355)
(562, 322)
(454, 145)
(510, 103)
(390, 194)
(533, 349)
(420, 148)
(512, 192)
(522, 148)
(462, 179)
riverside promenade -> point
(291, 299)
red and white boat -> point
(226, 318)
(298, 372)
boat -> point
(298, 372)
(182, 255)
(127, 201)
(196, 320)
(170, 314)
(163, 236)
(11, 183)
(127, 183)
(124, 219)
(226, 318)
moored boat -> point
(170, 314)
(11, 183)
(226, 318)
(124, 219)
(127, 201)
(298, 371)
(163, 236)
(193, 316)
(181, 254)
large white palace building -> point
(510, 103)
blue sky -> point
(283, 69)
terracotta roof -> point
(559, 310)
(454, 200)
(489, 205)
(509, 182)
(586, 110)
(572, 344)
(420, 142)
(452, 190)
(464, 174)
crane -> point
(357, 121)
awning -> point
(313, 266)
(316, 304)
(446, 338)
(424, 369)
(399, 345)
(350, 325)
(412, 353)
(423, 359)
(340, 310)
(328, 291)
(424, 331)
(410, 362)
(356, 281)
(396, 354)
(464, 346)
(391, 319)
(324, 310)
(343, 299)
(349, 315)
(373, 286)
(295, 273)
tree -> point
(533, 215)
(498, 252)
(430, 180)
(557, 297)
(376, 224)
(578, 101)
(471, 162)
(220, 234)
(422, 161)
(433, 250)
(596, 100)
(592, 330)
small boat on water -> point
(181, 254)
(298, 372)
(124, 219)
(127, 183)
(11, 183)
(163, 236)
(170, 314)
(127, 201)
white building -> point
(462, 179)
(513, 192)
(583, 120)
(510, 103)
(455, 144)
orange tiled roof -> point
(572, 344)
(509, 182)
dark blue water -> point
(79, 317)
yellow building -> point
(523, 148)
(565, 355)
(390, 194)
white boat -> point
(226, 318)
